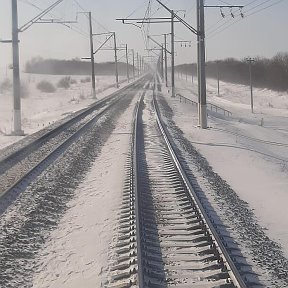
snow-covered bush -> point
(81, 95)
(5, 85)
(73, 81)
(46, 86)
(64, 82)
(85, 80)
(24, 90)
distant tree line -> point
(267, 73)
(73, 67)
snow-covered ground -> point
(41, 109)
(249, 151)
(77, 253)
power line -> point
(93, 19)
(70, 26)
(238, 17)
(135, 10)
(190, 10)
(159, 8)
(273, 4)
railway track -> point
(166, 239)
(18, 169)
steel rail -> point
(127, 270)
(232, 270)
(39, 167)
(140, 273)
(57, 148)
(52, 133)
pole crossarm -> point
(104, 33)
(112, 49)
(99, 48)
(152, 50)
(146, 20)
(224, 6)
(149, 37)
(139, 19)
(151, 22)
(39, 16)
(157, 35)
(183, 41)
(55, 21)
(187, 25)
(6, 41)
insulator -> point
(222, 14)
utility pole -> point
(127, 63)
(165, 51)
(16, 72)
(198, 65)
(111, 35)
(202, 57)
(202, 107)
(218, 80)
(116, 61)
(16, 66)
(138, 64)
(250, 61)
(92, 57)
(172, 54)
(133, 54)
(162, 62)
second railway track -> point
(165, 237)
(18, 168)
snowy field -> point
(249, 151)
(40, 109)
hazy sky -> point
(263, 33)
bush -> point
(45, 86)
(6, 85)
(85, 80)
(73, 81)
(24, 91)
(82, 96)
(64, 82)
(267, 73)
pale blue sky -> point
(263, 33)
